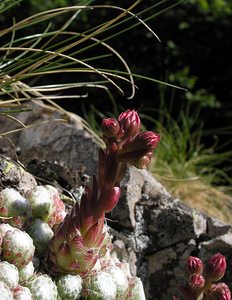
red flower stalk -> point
(124, 144)
(219, 291)
(215, 267)
(81, 237)
(194, 265)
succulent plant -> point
(120, 280)
(78, 240)
(26, 272)
(100, 286)
(9, 274)
(18, 248)
(58, 211)
(76, 244)
(135, 290)
(5, 292)
(41, 203)
(14, 206)
(4, 227)
(3, 230)
(22, 293)
(69, 287)
(42, 288)
(41, 234)
(73, 247)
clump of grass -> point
(190, 170)
(204, 197)
(41, 62)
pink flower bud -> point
(138, 152)
(196, 281)
(142, 143)
(219, 291)
(130, 123)
(215, 267)
(194, 265)
(110, 127)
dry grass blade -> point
(133, 15)
(70, 46)
(49, 56)
(20, 74)
(14, 119)
(124, 63)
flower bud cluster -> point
(132, 146)
(201, 280)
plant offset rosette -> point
(78, 241)
(75, 247)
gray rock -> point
(221, 243)
(163, 232)
(14, 175)
(216, 227)
(131, 193)
(165, 269)
(57, 151)
(152, 231)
